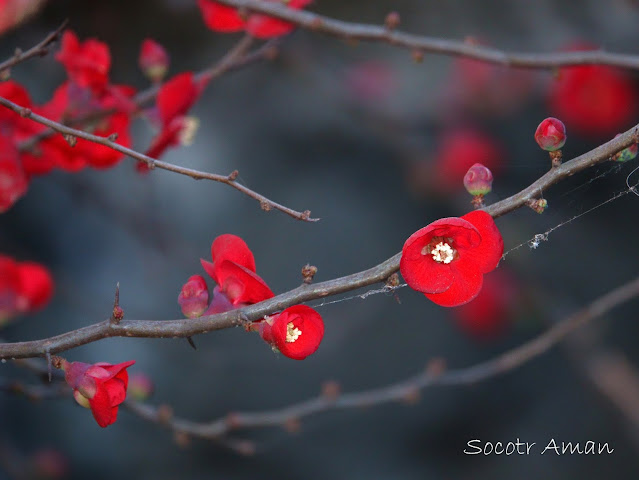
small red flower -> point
(194, 297)
(593, 100)
(153, 61)
(221, 18)
(100, 387)
(551, 134)
(233, 269)
(296, 332)
(36, 285)
(177, 96)
(87, 63)
(447, 259)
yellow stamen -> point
(292, 333)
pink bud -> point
(194, 297)
(551, 134)
(154, 61)
(478, 180)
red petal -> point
(36, 284)
(220, 18)
(103, 411)
(466, 286)
(240, 284)
(177, 96)
(488, 253)
(263, 26)
(233, 248)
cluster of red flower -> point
(296, 332)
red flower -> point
(36, 285)
(153, 61)
(87, 63)
(100, 387)
(447, 259)
(459, 150)
(194, 297)
(593, 99)
(296, 332)
(221, 18)
(233, 269)
(177, 96)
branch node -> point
(17, 52)
(418, 55)
(113, 137)
(25, 112)
(331, 390)
(266, 206)
(308, 272)
(392, 282)
(555, 158)
(71, 139)
(233, 175)
(539, 205)
(164, 414)
(306, 214)
(392, 21)
(292, 425)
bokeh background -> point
(357, 133)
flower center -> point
(292, 332)
(441, 251)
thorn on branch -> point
(306, 214)
(191, 342)
(117, 314)
(308, 272)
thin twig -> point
(229, 180)
(440, 46)
(38, 50)
(405, 389)
(189, 327)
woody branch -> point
(305, 292)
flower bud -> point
(36, 285)
(551, 134)
(478, 180)
(194, 297)
(154, 61)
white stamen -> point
(443, 253)
(292, 333)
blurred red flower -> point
(593, 100)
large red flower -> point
(447, 259)
(221, 18)
(233, 269)
(100, 387)
(296, 332)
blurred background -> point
(376, 145)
